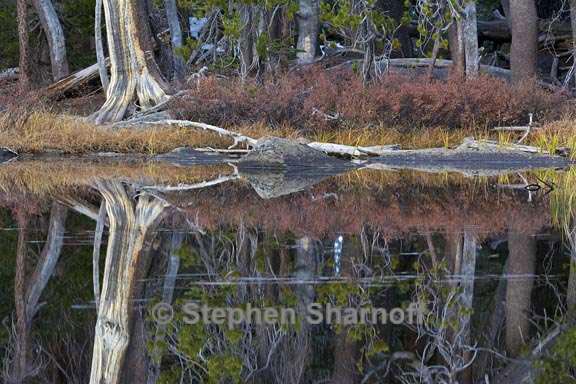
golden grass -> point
(40, 131)
(42, 178)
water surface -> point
(486, 260)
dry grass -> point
(41, 131)
(46, 131)
(41, 178)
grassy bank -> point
(317, 105)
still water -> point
(155, 273)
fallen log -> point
(74, 80)
(329, 148)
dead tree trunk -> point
(175, 37)
(308, 18)
(523, 55)
(521, 266)
(134, 73)
(48, 258)
(470, 31)
(22, 348)
(130, 224)
(24, 61)
(168, 288)
(100, 57)
(456, 42)
(468, 273)
(55, 35)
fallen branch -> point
(341, 149)
(490, 145)
(237, 137)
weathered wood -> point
(134, 73)
(237, 137)
(75, 80)
(130, 224)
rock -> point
(275, 183)
(7, 155)
(189, 156)
(274, 152)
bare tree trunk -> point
(247, 39)
(134, 73)
(523, 55)
(175, 36)
(22, 349)
(55, 35)
(100, 223)
(167, 296)
(308, 18)
(456, 42)
(468, 273)
(24, 47)
(100, 57)
(521, 266)
(346, 351)
(48, 258)
(470, 31)
(129, 227)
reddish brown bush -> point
(304, 101)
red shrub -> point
(305, 99)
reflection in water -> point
(492, 268)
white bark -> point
(470, 32)
(55, 35)
(129, 227)
(101, 58)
